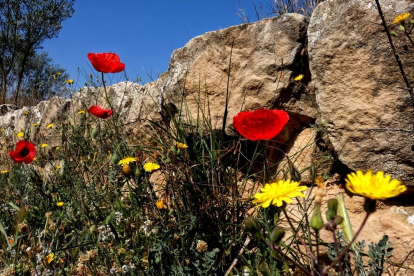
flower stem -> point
(299, 238)
(349, 245)
(337, 253)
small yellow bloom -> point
(401, 18)
(26, 112)
(34, 158)
(69, 81)
(20, 134)
(276, 193)
(127, 160)
(149, 167)
(81, 112)
(60, 204)
(299, 78)
(374, 186)
(43, 145)
(181, 145)
(35, 125)
(58, 167)
(49, 258)
(57, 148)
(4, 171)
(49, 125)
(2, 129)
(58, 73)
(160, 204)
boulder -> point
(367, 115)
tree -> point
(24, 26)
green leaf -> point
(394, 34)
(402, 28)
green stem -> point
(337, 253)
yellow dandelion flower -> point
(159, 204)
(58, 73)
(34, 158)
(299, 78)
(57, 148)
(181, 145)
(81, 112)
(35, 125)
(49, 125)
(20, 134)
(374, 186)
(276, 193)
(26, 112)
(69, 81)
(2, 129)
(127, 160)
(58, 167)
(49, 258)
(401, 18)
(4, 171)
(44, 145)
(60, 204)
(149, 167)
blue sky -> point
(143, 33)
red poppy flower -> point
(99, 112)
(25, 152)
(106, 62)
(261, 124)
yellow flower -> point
(299, 78)
(126, 169)
(2, 129)
(69, 81)
(4, 171)
(35, 125)
(276, 193)
(43, 145)
(374, 186)
(81, 112)
(181, 145)
(49, 258)
(58, 73)
(126, 160)
(400, 18)
(58, 167)
(57, 148)
(159, 204)
(26, 112)
(149, 167)
(60, 204)
(49, 125)
(20, 134)
(34, 158)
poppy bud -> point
(332, 209)
(115, 159)
(316, 221)
(253, 227)
(94, 133)
(294, 172)
(277, 235)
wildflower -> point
(181, 145)
(60, 204)
(20, 134)
(374, 186)
(126, 168)
(25, 152)
(159, 204)
(99, 112)
(276, 193)
(49, 258)
(261, 124)
(400, 19)
(201, 246)
(81, 112)
(57, 148)
(149, 167)
(2, 129)
(106, 62)
(35, 125)
(49, 125)
(58, 73)
(34, 159)
(26, 112)
(299, 78)
(43, 145)
(11, 240)
(126, 160)
(69, 81)
(4, 171)
(58, 167)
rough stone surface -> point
(369, 119)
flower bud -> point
(338, 219)
(115, 159)
(316, 221)
(253, 227)
(277, 235)
(94, 133)
(332, 209)
(294, 172)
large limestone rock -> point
(368, 118)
